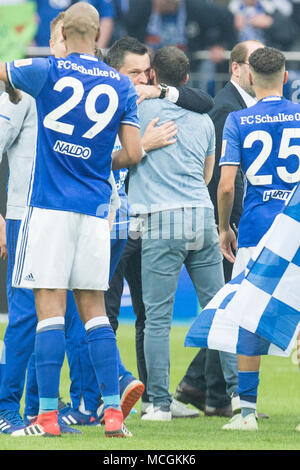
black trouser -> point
(205, 373)
(129, 267)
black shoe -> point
(190, 395)
(224, 412)
(61, 404)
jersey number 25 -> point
(285, 151)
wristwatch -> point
(163, 90)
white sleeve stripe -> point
(130, 123)
(9, 75)
(173, 94)
(229, 163)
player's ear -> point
(152, 75)
(63, 32)
(98, 35)
(235, 69)
(250, 79)
(186, 79)
(51, 46)
(285, 78)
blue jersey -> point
(120, 175)
(81, 103)
(265, 140)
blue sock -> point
(247, 390)
(103, 352)
(50, 354)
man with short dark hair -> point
(131, 58)
(266, 146)
(178, 219)
(237, 94)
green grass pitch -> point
(278, 397)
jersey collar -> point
(85, 56)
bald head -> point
(81, 19)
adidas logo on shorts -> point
(29, 277)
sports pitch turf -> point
(278, 397)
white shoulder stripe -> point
(130, 123)
(9, 74)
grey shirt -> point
(172, 177)
(18, 139)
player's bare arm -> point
(3, 246)
(225, 204)
(209, 164)
(131, 152)
(14, 95)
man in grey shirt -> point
(168, 190)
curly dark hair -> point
(267, 60)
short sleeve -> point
(130, 116)
(231, 147)
(11, 120)
(29, 75)
(212, 140)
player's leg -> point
(44, 260)
(49, 353)
(89, 279)
(129, 385)
(103, 353)
(248, 369)
(84, 392)
(18, 341)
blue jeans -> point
(172, 239)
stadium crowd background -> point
(205, 29)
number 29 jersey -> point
(265, 140)
(81, 103)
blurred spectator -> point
(121, 8)
(296, 16)
(46, 11)
(190, 24)
(49, 9)
(107, 13)
(269, 21)
(17, 28)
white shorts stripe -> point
(23, 243)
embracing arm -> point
(225, 204)
(192, 99)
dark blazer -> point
(228, 99)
